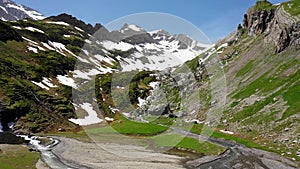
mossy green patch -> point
(292, 96)
(124, 126)
(245, 69)
(128, 127)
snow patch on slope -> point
(65, 80)
(48, 82)
(85, 75)
(134, 28)
(33, 14)
(17, 27)
(34, 50)
(123, 46)
(58, 23)
(92, 117)
(41, 85)
(34, 29)
(3, 9)
(60, 48)
(79, 29)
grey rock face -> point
(284, 30)
(140, 38)
(289, 37)
(257, 21)
(185, 40)
(129, 30)
(278, 25)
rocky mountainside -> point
(11, 11)
(39, 56)
(261, 61)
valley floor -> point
(76, 153)
(94, 156)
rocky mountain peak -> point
(10, 10)
(256, 21)
(129, 30)
(128, 27)
(76, 23)
(275, 22)
(161, 32)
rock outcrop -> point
(257, 21)
(76, 22)
(279, 26)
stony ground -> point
(114, 155)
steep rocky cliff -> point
(278, 25)
(261, 60)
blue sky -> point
(215, 18)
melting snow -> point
(41, 85)
(82, 60)
(47, 46)
(33, 42)
(86, 52)
(35, 50)
(60, 48)
(141, 102)
(17, 27)
(67, 36)
(151, 46)
(88, 41)
(92, 117)
(105, 59)
(109, 119)
(65, 80)
(3, 9)
(224, 45)
(159, 62)
(33, 14)
(108, 45)
(48, 82)
(134, 27)
(79, 29)
(34, 29)
(59, 23)
(123, 46)
(3, 19)
(85, 75)
(154, 85)
(227, 132)
(34, 46)
(40, 48)
(105, 70)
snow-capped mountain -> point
(130, 30)
(150, 50)
(68, 52)
(10, 10)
